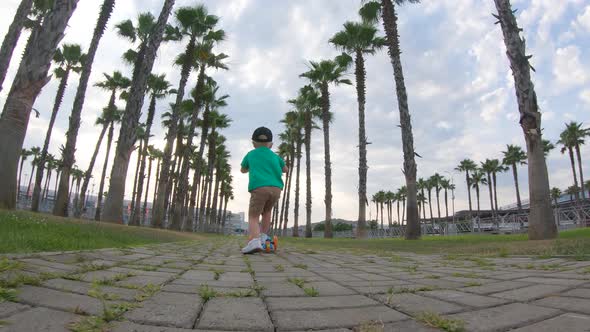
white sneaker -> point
(263, 237)
(253, 246)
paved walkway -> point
(209, 286)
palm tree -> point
(496, 167)
(467, 165)
(488, 167)
(68, 159)
(294, 123)
(477, 179)
(322, 74)
(69, 58)
(154, 154)
(390, 198)
(436, 180)
(113, 209)
(370, 12)
(113, 83)
(308, 104)
(193, 23)
(573, 191)
(140, 154)
(158, 88)
(547, 147)
(23, 156)
(421, 185)
(421, 202)
(288, 138)
(35, 152)
(514, 156)
(542, 223)
(572, 138)
(555, 195)
(30, 78)
(284, 151)
(12, 36)
(360, 39)
(445, 184)
(429, 186)
(204, 96)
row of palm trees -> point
(205, 194)
(357, 40)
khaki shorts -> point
(263, 199)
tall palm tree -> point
(308, 104)
(573, 137)
(573, 191)
(204, 96)
(555, 195)
(547, 147)
(422, 201)
(421, 185)
(113, 209)
(488, 167)
(322, 74)
(370, 12)
(477, 179)
(154, 154)
(114, 83)
(284, 151)
(359, 40)
(67, 59)
(436, 180)
(23, 156)
(140, 154)
(35, 152)
(12, 36)
(390, 198)
(467, 165)
(68, 159)
(514, 156)
(192, 23)
(445, 184)
(294, 123)
(429, 186)
(158, 88)
(30, 78)
(288, 136)
(542, 223)
(496, 167)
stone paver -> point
(354, 292)
(230, 314)
(566, 322)
(504, 317)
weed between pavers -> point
(299, 282)
(217, 273)
(206, 293)
(10, 265)
(92, 267)
(97, 293)
(300, 266)
(473, 284)
(404, 290)
(466, 275)
(371, 326)
(311, 291)
(3, 323)
(7, 294)
(279, 268)
(437, 321)
(432, 276)
(147, 291)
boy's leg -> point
(273, 196)
(253, 227)
(257, 201)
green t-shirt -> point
(265, 168)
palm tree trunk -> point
(391, 32)
(30, 78)
(468, 181)
(156, 184)
(143, 67)
(33, 164)
(104, 172)
(360, 89)
(403, 211)
(495, 191)
(147, 190)
(580, 172)
(20, 173)
(424, 205)
(515, 175)
(382, 215)
(284, 197)
(43, 158)
(193, 199)
(12, 36)
(159, 208)
(288, 193)
(204, 198)
(78, 209)
(438, 202)
(57, 175)
(430, 206)
(296, 209)
(213, 217)
(327, 162)
(140, 156)
(446, 205)
(541, 220)
(307, 137)
(47, 178)
(224, 212)
(399, 222)
(490, 189)
(144, 155)
(477, 196)
(60, 207)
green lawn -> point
(25, 232)
(574, 242)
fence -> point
(506, 223)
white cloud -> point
(568, 70)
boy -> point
(265, 170)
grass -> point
(299, 282)
(7, 294)
(279, 268)
(9, 265)
(446, 324)
(311, 291)
(207, 293)
(574, 243)
(404, 290)
(301, 266)
(27, 232)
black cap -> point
(262, 135)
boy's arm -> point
(245, 165)
(285, 169)
(244, 170)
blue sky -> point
(460, 88)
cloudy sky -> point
(460, 89)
